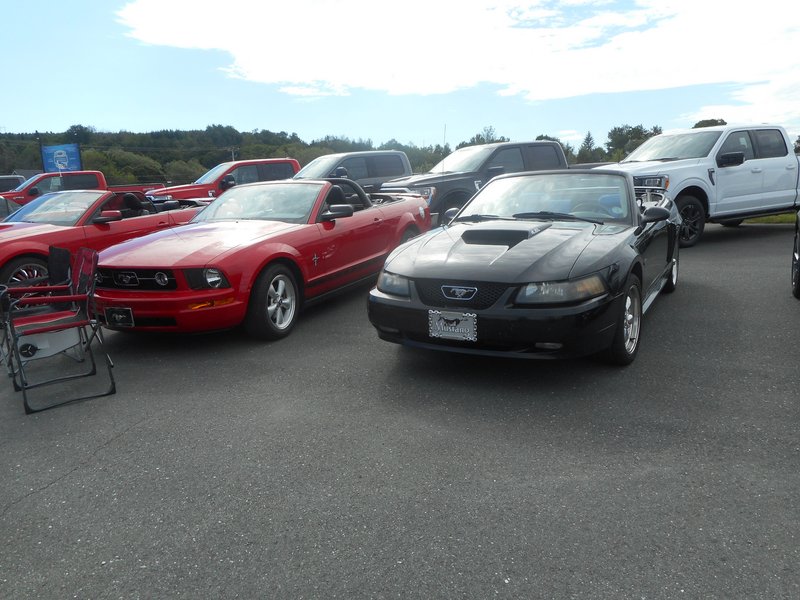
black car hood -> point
(508, 251)
(424, 179)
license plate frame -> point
(453, 325)
(117, 316)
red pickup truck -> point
(226, 175)
(44, 183)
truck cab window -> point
(738, 141)
(508, 158)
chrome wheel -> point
(632, 319)
(281, 302)
(21, 271)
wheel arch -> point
(697, 192)
(292, 266)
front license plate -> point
(119, 317)
(451, 325)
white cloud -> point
(539, 49)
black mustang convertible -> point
(548, 264)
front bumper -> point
(541, 332)
(179, 311)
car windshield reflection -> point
(57, 208)
(286, 202)
(597, 198)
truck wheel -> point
(274, 304)
(694, 220)
(625, 346)
(22, 270)
(796, 265)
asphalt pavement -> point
(332, 464)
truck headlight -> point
(395, 285)
(659, 182)
(553, 292)
(426, 192)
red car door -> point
(102, 235)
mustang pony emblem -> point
(455, 292)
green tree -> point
(708, 123)
(487, 136)
(625, 139)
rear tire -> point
(694, 220)
(274, 304)
(732, 223)
(672, 278)
(625, 347)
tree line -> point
(175, 157)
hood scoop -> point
(501, 237)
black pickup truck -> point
(462, 173)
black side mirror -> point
(227, 182)
(448, 215)
(494, 172)
(337, 211)
(34, 191)
(655, 213)
(107, 216)
(730, 159)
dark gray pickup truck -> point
(462, 173)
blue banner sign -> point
(66, 157)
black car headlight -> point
(656, 182)
(556, 292)
(395, 285)
(208, 278)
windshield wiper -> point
(553, 216)
(477, 218)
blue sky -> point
(419, 71)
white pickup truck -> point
(722, 174)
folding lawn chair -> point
(54, 321)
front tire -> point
(21, 271)
(625, 347)
(796, 264)
(694, 220)
(274, 304)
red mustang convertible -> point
(95, 219)
(255, 256)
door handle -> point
(755, 170)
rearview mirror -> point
(730, 159)
(227, 182)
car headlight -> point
(659, 182)
(552, 292)
(392, 284)
(208, 278)
(426, 192)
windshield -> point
(319, 167)
(463, 160)
(675, 147)
(214, 174)
(554, 196)
(287, 202)
(57, 208)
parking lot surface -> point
(334, 465)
